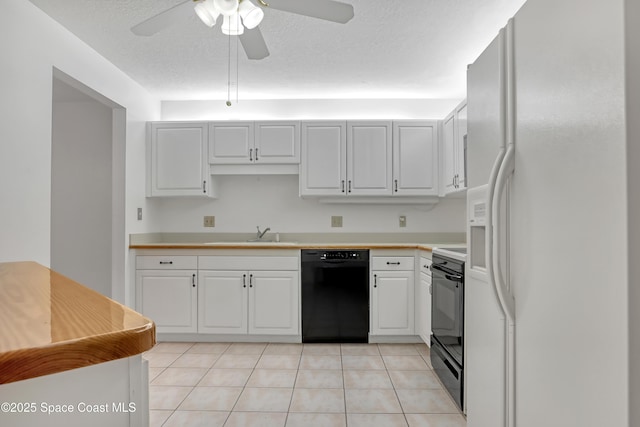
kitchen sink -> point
(251, 242)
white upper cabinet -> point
(415, 154)
(454, 139)
(369, 152)
(373, 158)
(177, 160)
(323, 169)
(461, 143)
(449, 164)
(277, 142)
(231, 143)
(244, 143)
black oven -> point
(447, 319)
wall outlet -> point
(336, 221)
(209, 221)
(403, 221)
(139, 214)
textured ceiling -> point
(390, 49)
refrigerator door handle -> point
(504, 294)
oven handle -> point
(453, 277)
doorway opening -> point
(88, 241)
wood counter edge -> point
(26, 363)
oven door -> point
(447, 309)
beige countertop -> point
(421, 241)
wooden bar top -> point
(51, 324)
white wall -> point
(31, 45)
(272, 201)
(301, 109)
(81, 193)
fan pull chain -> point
(229, 71)
(237, 67)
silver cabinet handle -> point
(393, 262)
(193, 280)
(396, 184)
(375, 280)
(349, 189)
(251, 280)
(251, 154)
(204, 186)
(342, 185)
(244, 280)
(166, 262)
(256, 154)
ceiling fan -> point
(241, 18)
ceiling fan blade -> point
(254, 44)
(322, 9)
(164, 19)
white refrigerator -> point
(546, 328)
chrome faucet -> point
(261, 234)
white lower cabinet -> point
(241, 300)
(423, 301)
(166, 293)
(392, 296)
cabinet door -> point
(369, 160)
(277, 142)
(448, 155)
(423, 308)
(168, 297)
(177, 159)
(461, 143)
(222, 302)
(392, 303)
(415, 158)
(323, 162)
(231, 143)
(274, 302)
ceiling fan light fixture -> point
(226, 7)
(207, 12)
(250, 14)
(232, 26)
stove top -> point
(459, 254)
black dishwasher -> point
(335, 296)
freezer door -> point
(486, 120)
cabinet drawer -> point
(168, 262)
(248, 263)
(392, 263)
(425, 263)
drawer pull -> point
(393, 262)
(193, 280)
(244, 280)
(375, 280)
(166, 262)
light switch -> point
(403, 221)
(336, 221)
(209, 221)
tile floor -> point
(333, 385)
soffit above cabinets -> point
(390, 49)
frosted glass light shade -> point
(250, 14)
(226, 7)
(232, 26)
(207, 12)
